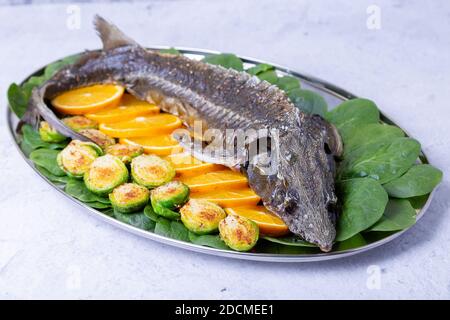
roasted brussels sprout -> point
(103, 140)
(77, 123)
(105, 173)
(201, 216)
(129, 197)
(76, 158)
(49, 134)
(125, 152)
(151, 171)
(168, 197)
(239, 233)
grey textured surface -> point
(50, 249)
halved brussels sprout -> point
(103, 140)
(77, 123)
(168, 197)
(49, 134)
(76, 158)
(201, 216)
(125, 152)
(151, 171)
(105, 173)
(239, 233)
(129, 197)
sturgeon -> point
(301, 188)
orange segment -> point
(187, 165)
(269, 224)
(142, 126)
(230, 198)
(129, 107)
(216, 180)
(161, 145)
(88, 99)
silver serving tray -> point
(332, 94)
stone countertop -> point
(50, 248)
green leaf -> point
(269, 76)
(226, 60)
(419, 201)
(170, 51)
(288, 83)
(260, 68)
(46, 158)
(363, 204)
(371, 133)
(138, 220)
(171, 229)
(354, 242)
(150, 213)
(77, 189)
(398, 215)
(52, 177)
(98, 205)
(383, 161)
(308, 101)
(418, 180)
(208, 240)
(32, 82)
(51, 69)
(290, 241)
(34, 141)
(353, 113)
(17, 99)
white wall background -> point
(49, 248)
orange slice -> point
(129, 107)
(216, 180)
(161, 145)
(187, 165)
(88, 99)
(269, 224)
(142, 126)
(230, 198)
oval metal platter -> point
(332, 94)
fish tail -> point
(111, 36)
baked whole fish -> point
(301, 188)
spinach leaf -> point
(260, 68)
(371, 133)
(269, 76)
(46, 158)
(208, 240)
(353, 113)
(398, 215)
(417, 181)
(226, 60)
(150, 213)
(308, 101)
(363, 204)
(77, 189)
(419, 201)
(383, 161)
(17, 100)
(288, 83)
(171, 229)
(138, 220)
(290, 241)
(52, 177)
(34, 141)
(98, 205)
(170, 51)
(354, 242)
(32, 82)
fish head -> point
(301, 188)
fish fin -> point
(213, 152)
(110, 35)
